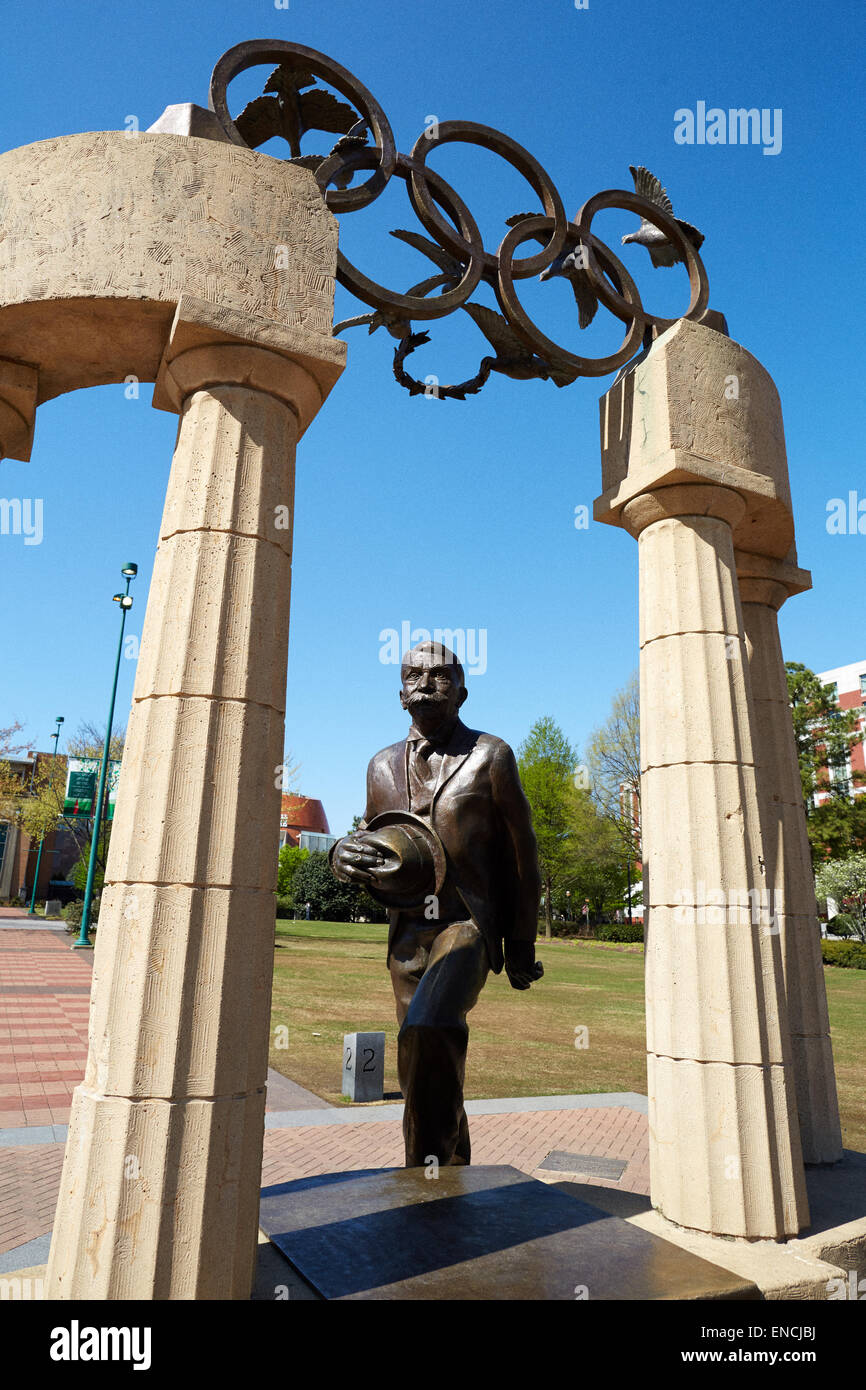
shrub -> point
(620, 931)
(73, 912)
(284, 906)
(842, 924)
(850, 955)
(291, 858)
(78, 874)
(71, 915)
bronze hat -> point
(420, 868)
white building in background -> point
(850, 687)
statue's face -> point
(431, 690)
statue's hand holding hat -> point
(399, 858)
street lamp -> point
(32, 910)
(129, 571)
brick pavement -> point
(523, 1139)
(44, 1002)
(29, 1184)
(44, 999)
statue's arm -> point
(370, 808)
(514, 809)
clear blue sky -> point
(496, 480)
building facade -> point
(849, 684)
(303, 822)
(19, 853)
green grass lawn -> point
(330, 979)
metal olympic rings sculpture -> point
(292, 104)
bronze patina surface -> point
(463, 895)
(488, 1232)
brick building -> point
(19, 853)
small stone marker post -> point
(364, 1066)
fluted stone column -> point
(160, 1187)
(765, 584)
(685, 477)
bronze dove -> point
(662, 251)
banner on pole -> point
(82, 781)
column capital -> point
(763, 579)
(18, 391)
(687, 499)
(697, 408)
(212, 345)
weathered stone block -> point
(215, 603)
(708, 971)
(199, 781)
(722, 1158)
(694, 705)
(155, 1199)
(207, 490)
(699, 822)
(104, 233)
(178, 975)
(673, 602)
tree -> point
(546, 762)
(844, 880)
(34, 803)
(37, 803)
(12, 784)
(291, 858)
(313, 882)
(613, 770)
(596, 850)
(88, 741)
(289, 772)
(7, 749)
(837, 828)
(824, 733)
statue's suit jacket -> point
(481, 815)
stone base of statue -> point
(486, 1232)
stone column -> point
(160, 1187)
(765, 584)
(685, 477)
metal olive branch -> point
(292, 105)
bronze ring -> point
(629, 308)
(411, 306)
(632, 202)
(489, 139)
(293, 55)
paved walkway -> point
(573, 1137)
(44, 998)
(44, 1001)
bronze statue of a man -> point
(447, 842)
